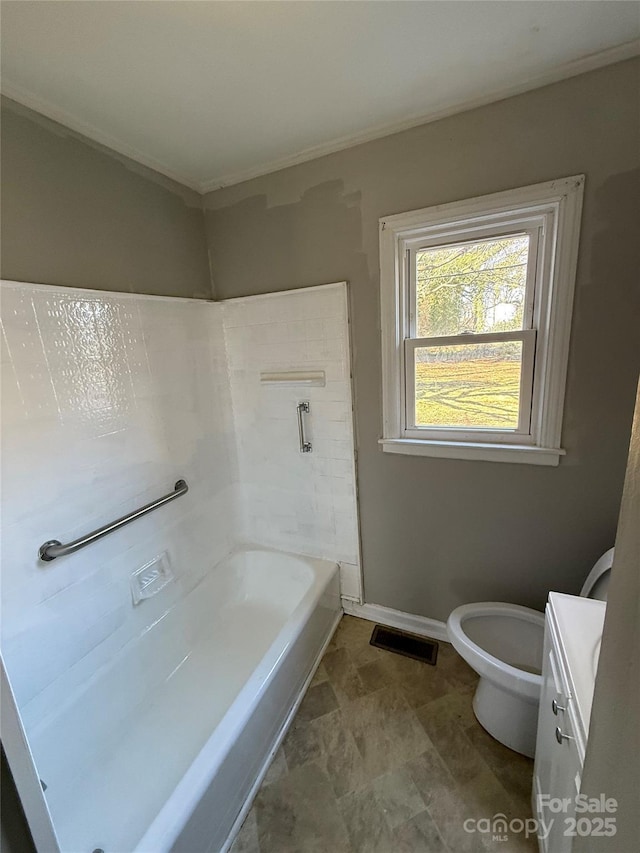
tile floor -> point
(385, 756)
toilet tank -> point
(597, 583)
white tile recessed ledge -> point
(293, 377)
(520, 453)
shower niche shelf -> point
(293, 377)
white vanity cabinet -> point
(573, 628)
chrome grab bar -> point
(303, 408)
(54, 548)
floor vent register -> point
(403, 643)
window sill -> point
(520, 453)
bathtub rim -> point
(246, 808)
(168, 823)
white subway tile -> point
(122, 436)
(307, 328)
(108, 401)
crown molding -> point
(71, 122)
(562, 72)
(570, 69)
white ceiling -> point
(213, 93)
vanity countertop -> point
(579, 622)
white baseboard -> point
(397, 619)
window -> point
(476, 312)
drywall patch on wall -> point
(260, 247)
(75, 215)
(323, 233)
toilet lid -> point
(597, 582)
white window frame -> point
(550, 214)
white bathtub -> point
(161, 751)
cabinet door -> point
(565, 784)
(557, 762)
(545, 753)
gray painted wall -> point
(611, 763)
(76, 214)
(439, 532)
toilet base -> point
(510, 719)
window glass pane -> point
(471, 386)
(471, 287)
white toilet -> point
(503, 643)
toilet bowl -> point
(503, 643)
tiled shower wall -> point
(301, 502)
(107, 400)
